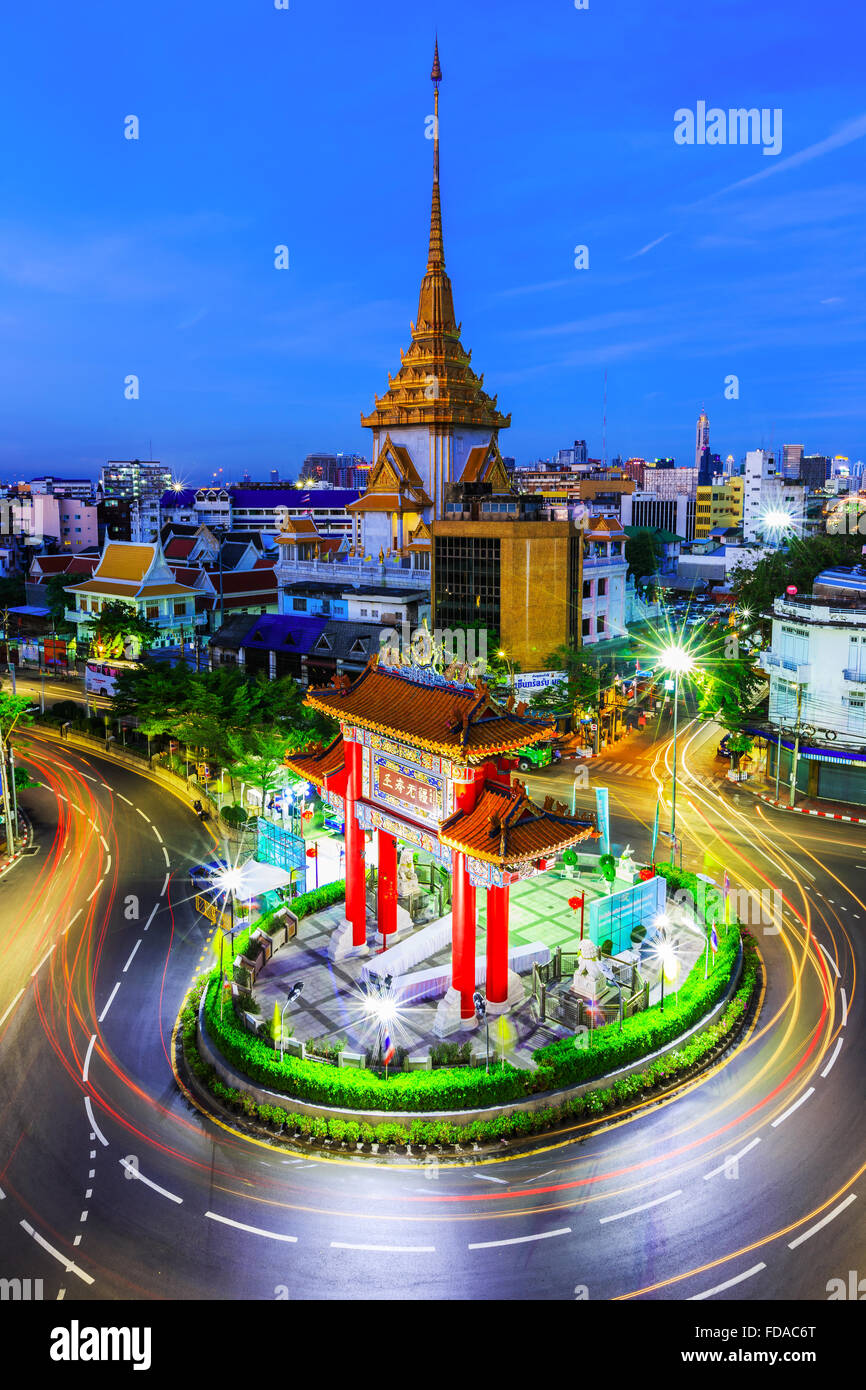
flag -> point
(726, 884)
(388, 1050)
(714, 940)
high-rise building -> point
(792, 455)
(813, 471)
(767, 492)
(702, 438)
(719, 505)
(142, 485)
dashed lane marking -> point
(87, 1057)
(728, 1284)
(133, 1172)
(97, 1132)
(110, 1001)
(836, 1051)
(132, 955)
(791, 1108)
(252, 1230)
(67, 1264)
(645, 1206)
(831, 1216)
(519, 1240)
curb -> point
(539, 1100)
(806, 811)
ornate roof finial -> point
(436, 74)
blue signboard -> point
(602, 806)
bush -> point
(234, 815)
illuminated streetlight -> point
(680, 662)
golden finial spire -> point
(436, 258)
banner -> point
(602, 807)
(655, 833)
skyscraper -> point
(702, 439)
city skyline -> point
(243, 367)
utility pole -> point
(778, 761)
(796, 756)
(7, 809)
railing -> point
(858, 677)
(571, 1011)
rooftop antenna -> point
(604, 425)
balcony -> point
(854, 677)
(799, 672)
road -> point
(746, 1184)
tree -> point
(258, 758)
(730, 681)
(119, 628)
(800, 564)
(57, 599)
(643, 552)
(586, 678)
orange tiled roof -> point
(315, 767)
(506, 828)
(457, 721)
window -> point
(180, 608)
(585, 627)
(602, 588)
(363, 612)
(151, 612)
(587, 588)
(600, 623)
(300, 605)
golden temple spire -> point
(436, 305)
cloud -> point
(853, 130)
(535, 289)
(649, 246)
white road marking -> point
(133, 1172)
(104, 843)
(728, 1284)
(384, 1249)
(77, 808)
(485, 1177)
(124, 798)
(519, 1240)
(87, 1057)
(831, 1216)
(167, 877)
(73, 920)
(645, 1206)
(132, 955)
(539, 1176)
(143, 816)
(11, 1007)
(836, 1050)
(83, 1216)
(88, 1194)
(829, 958)
(110, 1001)
(165, 857)
(108, 864)
(67, 1264)
(158, 836)
(735, 1158)
(844, 1006)
(61, 1294)
(151, 917)
(95, 891)
(43, 960)
(253, 1230)
(795, 1106)
(97, 1132)
(88, 777)
(2, 1195)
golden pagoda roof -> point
(506, 828)
(455, 720)
(436, 383)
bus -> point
(100, 674)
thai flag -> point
(714, 940)
(726, 884)
(388, 1051)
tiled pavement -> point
(332, 1002)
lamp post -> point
(679, 662)
(292, 994)
(480, 1006)
(507, 661)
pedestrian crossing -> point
(642, 769)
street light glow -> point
(677, 659)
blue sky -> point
(306, 127)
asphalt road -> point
(747, 1184)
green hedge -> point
(561, 1064)
(661, 1072)
(558, 1064)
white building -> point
(603, 604)
(766, 493)
(817, 669)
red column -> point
(497, 945)
(462, 934)
(356, 903)
(387, 885)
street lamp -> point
(504, 657)
(480, 1006)
(679, 662)
(292, 994)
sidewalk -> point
(806, 806)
